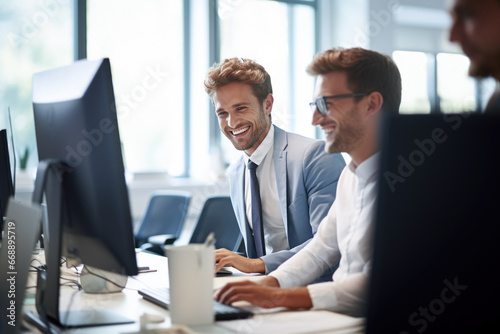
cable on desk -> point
(103, 277)
(114, 283)
(42, 322)
(40, 298)
(138, 280)
(73, 295)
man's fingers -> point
(233, 294)
(231, 289)
(221, 253)
(226, 261)
(219, 293)
(230, 259)
(220, 264)
(249, 292)
(238, 297)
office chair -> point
(163, 220)
(218, 216)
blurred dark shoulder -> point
(493, 106)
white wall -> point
(343, 23)
(386, 25)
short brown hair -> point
(367, 71)
(239, 70)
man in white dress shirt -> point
(354, 88)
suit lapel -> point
(280, 162)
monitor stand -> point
(94, 280)
(49, 181)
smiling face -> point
(242, 119)
(343, 125)
(476, 27)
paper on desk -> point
(296, 322)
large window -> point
(159, 56)
(160, 51)
(456, 90)
(413, 69)
(35, 36)
(437, 83)
(282, 40)
(145, 45)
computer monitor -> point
(82, 175)
(21, 230)
(6, 184)
(437, 226)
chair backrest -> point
(165, 214)
(218, 216)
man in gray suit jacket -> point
(297, 179)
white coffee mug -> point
(191, 272)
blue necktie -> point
(258, 233)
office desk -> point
(130, 304)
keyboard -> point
(161, 297)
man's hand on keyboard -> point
(266, 293)
(226, 258)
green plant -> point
(23, 160)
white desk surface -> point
(130, 304)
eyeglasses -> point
(320, 102)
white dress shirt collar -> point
(366, 170)
(260, 153)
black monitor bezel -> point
(6, 182)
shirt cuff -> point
(266, 271)
(322, 295)
(284, 280)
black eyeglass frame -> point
(320, 103)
